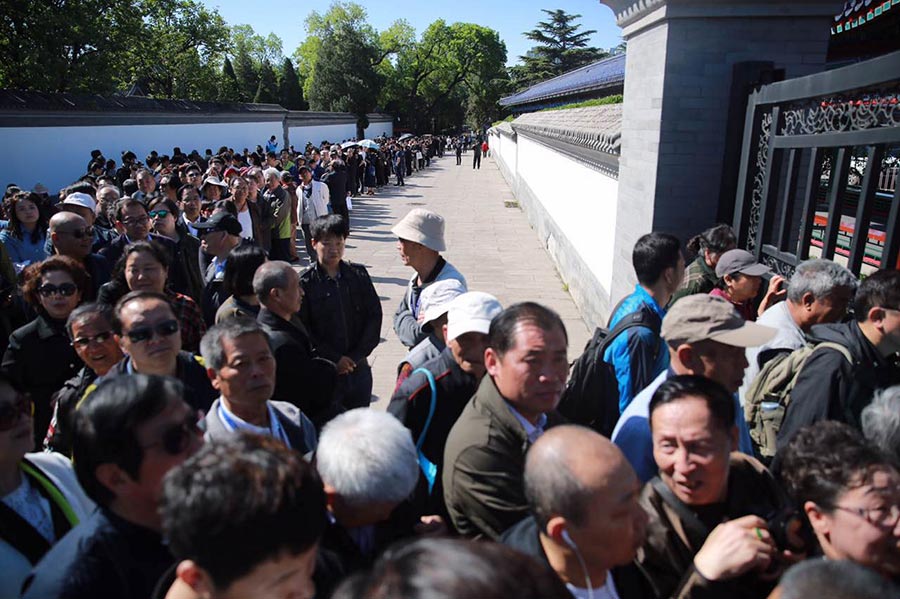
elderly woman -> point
(850, 493)
(39, 357)
(39, 488)
(27, 233)
(144, 266)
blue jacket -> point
(638, 355)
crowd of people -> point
(185, 414)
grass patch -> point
(614, 99)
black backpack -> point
(591, 397)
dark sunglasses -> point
(177, 438)
(159, 213)
(98, 338)
(11, 412)
(80, 233)
(65, 290)
(163, 329)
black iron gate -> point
(819, 163)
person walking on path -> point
(476, 156)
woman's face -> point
(742, 287)
(143, 272)
(863, 526)
(58, 293)
(27, 212)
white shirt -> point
(607, 591)
(789, 337)
(246, 223)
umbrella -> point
(404, 136)
(368, 143)
(349, 144)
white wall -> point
(581, 201)
(316, 134)
(379, 129)
(57, 156)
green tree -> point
(345, 78)
(247, 74)
(229, 90)
(290, 93)
(267, 91)
(560, 47)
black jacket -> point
(829, 387)
(40, 359)
(63, 403)
(191, 371)
(411, 404)
(342, 315)
(525, 538)
(99, 271)
(301, 377)
(336, 180)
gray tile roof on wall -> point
(64, 102)
(594, 127)
(597, 75)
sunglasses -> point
(65, 290)
(163, 329)
(80, 233)
(11, 412)
(159, 213)
(177, 438)
(98, 339)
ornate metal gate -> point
(819, 164)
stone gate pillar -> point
(680, 58)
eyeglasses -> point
(11, 412)
(65, 290)
(163, 329)
(159, 213)
(177, 438)
(192, 175)
(80, 233)
(98, 339)
(140, 220)
(882, 517)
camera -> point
(789, 530)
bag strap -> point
(692, 524)
(432, 384)
(638, 318)
(16, 531)
(50, 491)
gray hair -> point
(819, 277)
(211, 344)
(881, 420)
(270, 275)
(368, 457)
(834, 579)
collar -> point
(648, 299)
(532, 431)
(434, 271)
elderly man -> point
(302, 378)
(275, 515)
(314, 198)
(146, 184)
(421, 239)
(275, 195)
(367, 462)
(241, 367)
(148, 333)
(485, 451)
(705, 336)
(585, 519)
(128, 434)
(819, 292)
(456, 373)
(219, 234)
(72, 236)
(706, 537)
(90, 328)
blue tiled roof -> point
(600, 74)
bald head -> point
(66, 221)
(71, 235)
(567, 468)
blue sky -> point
(509, 17)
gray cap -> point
(699, 317)
(423, 227)
(740, 261)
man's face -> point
(73, 238)
(306, 177)
(193, 178)
(468, 351)
(213, 242)
(409, 251)
(722, 363)
(190, 204)
(239, 190)
(285, 576)
(273, 182)
(832, 307)
(146, 183)
(692, 451)
(248, 375)
(615, 524)
(135, 222)
(212, 192)
(157, 353)
(290, 298)
(531, 375)
(330, 250)
(95, 343)
(106, 197)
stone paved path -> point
(492, 245)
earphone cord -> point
(587, 577)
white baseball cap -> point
(471, 312)
(80, 199)
(434, 301)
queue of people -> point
(184, 415)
